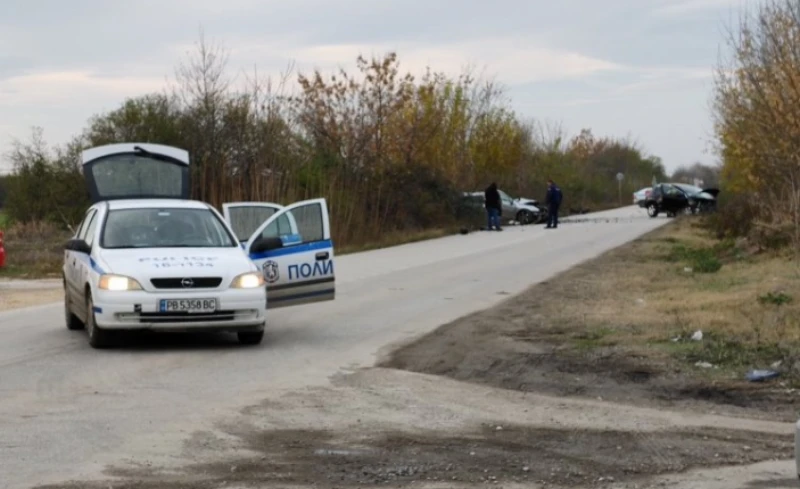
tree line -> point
(391, 152)
(757, 126)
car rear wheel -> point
(98, 337)
(525, 217)
(652, 210)
(250, 337)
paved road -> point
(66, 410)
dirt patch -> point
(488, 455)
(619, 327)
(15, 299)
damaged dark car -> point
(674, 198)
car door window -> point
(88, 236)
(279, 227)
(245, 220)
(87, 222)
(84, 223)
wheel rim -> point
(651, 210)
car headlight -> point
(118, 283)
(249, 280)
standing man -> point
(493, 206)
(553, 201)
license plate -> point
(188, 305)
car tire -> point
(98, 337)
(525, 217)
(250, 337)
(652, 210)
(73, 322)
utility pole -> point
(620, 177)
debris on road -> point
(762, 375)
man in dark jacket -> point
(553, 201)
(493, 206)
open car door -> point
(136, 171)
(245, 217)
(293, 248)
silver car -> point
(512, 210)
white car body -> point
(640, 195)
(146, 257)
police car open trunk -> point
(136, 171)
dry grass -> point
(652, 295)
(14, 299)
(619, 327)
(34, 250)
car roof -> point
(155, 203)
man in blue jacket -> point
(553, 201)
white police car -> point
(146, 257)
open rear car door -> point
(293, 248)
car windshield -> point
(164, 228)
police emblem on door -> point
(270, 269)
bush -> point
(735, 215)
(34, 248)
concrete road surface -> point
(67, 410)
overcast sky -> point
(638, 68)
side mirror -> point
(262, 245)
(78, 245)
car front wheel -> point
(652, 210)
(73, 323)
(98, 337)
(525, 217)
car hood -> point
(527, 207)
(144, 264)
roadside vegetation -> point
(675, 318)
(757, 124)
(390, 151)
(683, 315)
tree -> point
(757, 120)
(391, 152)
(708, 175)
